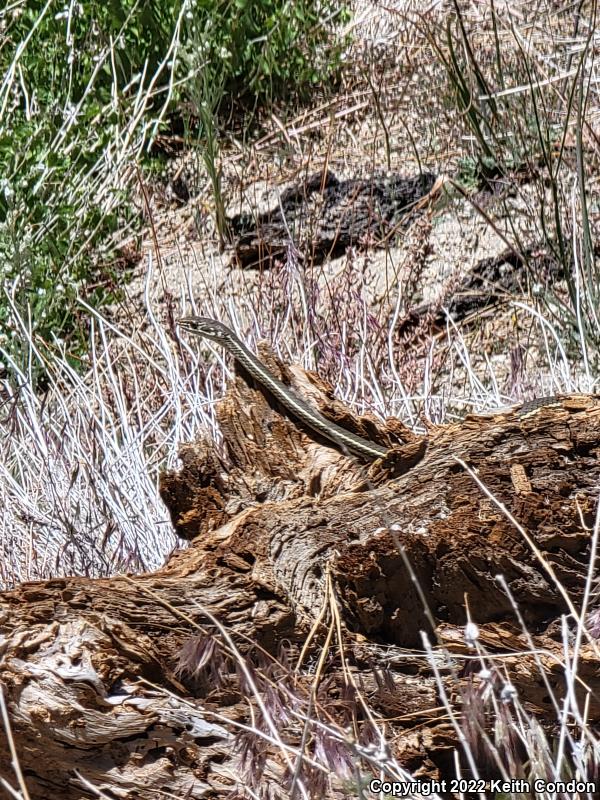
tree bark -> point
(141, 685)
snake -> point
(298, 409)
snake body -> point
(295, 405)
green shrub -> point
(69, 86)
(264, 50)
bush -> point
(264, 50)
(69, 87)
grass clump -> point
(522, 87)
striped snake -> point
(295, 405)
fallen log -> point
(313, 587)
(324, 216)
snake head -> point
(206, 327)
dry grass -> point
(80, 464)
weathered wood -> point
(323, 216)
(491, 282)
(129, 683)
